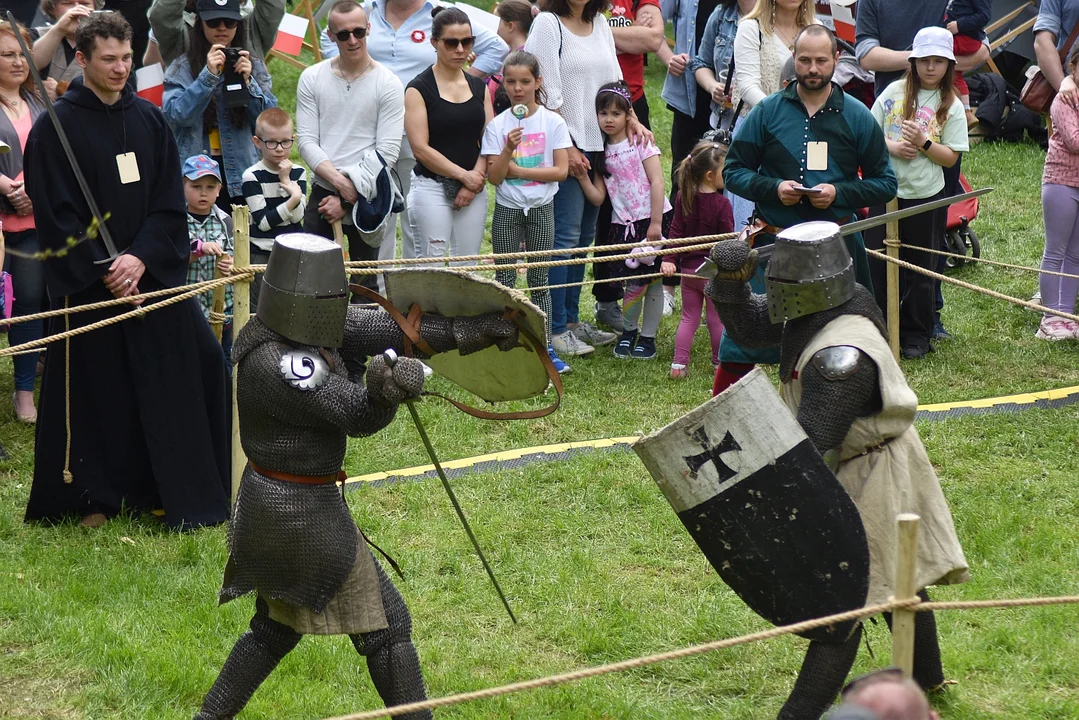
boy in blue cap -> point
(210, 230)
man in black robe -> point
(148, 397)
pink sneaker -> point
(1056, 328)
(679, 371)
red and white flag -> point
(843, 17)
(290, 34)
(150, 83)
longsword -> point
(708, 268)
(391, 360)
(106, 236)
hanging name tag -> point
(816, 156)
(128, 167)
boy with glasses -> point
(275, 190)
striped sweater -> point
(266, 199)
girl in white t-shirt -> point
(527, 157)
(633, 176)
(925, 129)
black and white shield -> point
(763, 506)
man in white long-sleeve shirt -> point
(345, 107)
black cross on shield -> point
(712, 454)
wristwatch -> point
(926, 145)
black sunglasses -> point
(359, 33)
(452, 43)
(229, 23)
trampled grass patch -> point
(123, 622)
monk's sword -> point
(103, 230)
(391, 359)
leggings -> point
(693, 301)
(1060, 207)
(508, 227)
(648, 294)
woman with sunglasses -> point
(446, 111)
(195, 105)
(171, 22)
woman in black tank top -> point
(446, 110)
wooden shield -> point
(763, 507)
(490, 373)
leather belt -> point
(329, 479)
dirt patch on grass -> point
(26, 695)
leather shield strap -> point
(410, 326)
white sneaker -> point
(569, 345)
(589, 334)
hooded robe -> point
(148, 396)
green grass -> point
(123, 623)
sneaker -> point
(609, 314)
(1055, 328)
(625, 344)
(568, 344)
(592, 335)
(645, 349)
(559, 364)
(1036, 298)
(679, 371)
(668, 302)
(939, 333)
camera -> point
(235, 93)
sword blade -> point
(106, 236)
(708, 269)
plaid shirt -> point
(216, 230)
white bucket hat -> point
(933, 41)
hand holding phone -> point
(808, 190)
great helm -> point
(810, 270)
(304, 293)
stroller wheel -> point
(971, 240)
(954, 243)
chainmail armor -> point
(829, 407)
(368, 332)
(390, 387)
(391, 656)
(252, 659)
(798, 332)
(476, 333)
(822, 676)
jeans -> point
(574, 226)
(440, 230)
(28, 286)
(402, 174)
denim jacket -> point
(717, 45)
(681, 92)
(185, 102)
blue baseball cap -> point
(198, 166)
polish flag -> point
(150, 82)
(843, 17)
(290, 35)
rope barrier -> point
(972, 287)
(995, 263)
(913, 603)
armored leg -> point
(253, 658)
(928, 668)
(823, 673)
(391, 656)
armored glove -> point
(480, 331)
(392, 386)
(735, 263)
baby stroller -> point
(958, 235)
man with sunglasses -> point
(345, 107)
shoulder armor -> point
(303, 369)
(837, 363)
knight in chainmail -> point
(843, 384)
(292, 540)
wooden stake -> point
(241, 312)
(217, 308)
(891, 243)
(906, 568)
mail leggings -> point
(509, 226)
(438, 230)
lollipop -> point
(519, 111)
